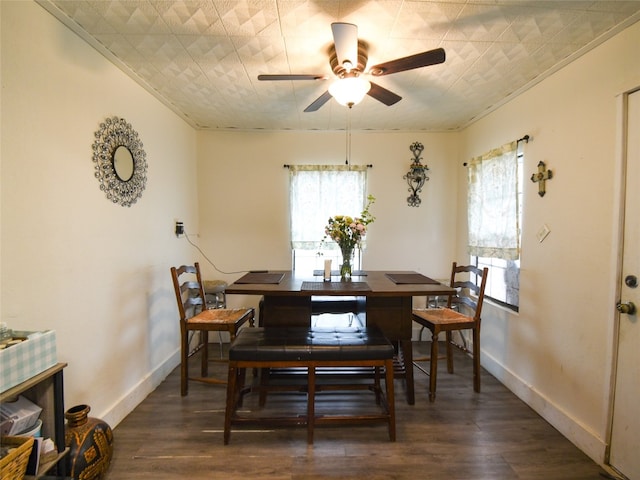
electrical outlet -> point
(543, 232)
(179, 229)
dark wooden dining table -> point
(383, 298)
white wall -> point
(557, 352)
(95, 272)
(244, 205)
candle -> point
(327, 270)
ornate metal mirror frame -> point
(120, 161)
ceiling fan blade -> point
(424, 59)
(383, 95)
(345, 39)
(292, 77)
(318, 102)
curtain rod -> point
(286, 165)
(524, 139)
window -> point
(317, 192)
(495, 216)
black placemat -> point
(410, 278)
(336, 273)
(254, 277)
(335, 286)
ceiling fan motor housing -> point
(339, 69)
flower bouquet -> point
(348, 233)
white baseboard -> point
(581, 436)
(137, 394)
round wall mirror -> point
(120, 162)
(123, 163)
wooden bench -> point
(311, 349)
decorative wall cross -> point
(541, 177)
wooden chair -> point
(195, 317)
(461, 313)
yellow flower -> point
(347, 231)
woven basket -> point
(14, 465)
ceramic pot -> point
(90, 441)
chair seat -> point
(443, 316)
(219, 318)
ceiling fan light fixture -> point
(349, 91)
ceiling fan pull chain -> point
(348, 159)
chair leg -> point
(240, 385)
(311, 403)
(449, 352)
(204, 341)
(220, 342)
(184, 362)
(391, 403)
(433, 366)
(264, 381)
(231, 401)
(476, 360)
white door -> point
(625, 431)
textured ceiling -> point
(202, 57)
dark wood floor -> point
(463, 435)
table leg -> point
(393, 316)
(407, 358)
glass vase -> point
(345, 268)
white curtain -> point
(494, 230)
(318, 192)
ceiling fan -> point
(348, 59)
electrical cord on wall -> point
(186, 235)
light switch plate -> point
(543, 232)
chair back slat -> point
(189, 292)
(189, 285)
(467, 302)
(467, 285)
(464, 278)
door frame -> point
(620, 170)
